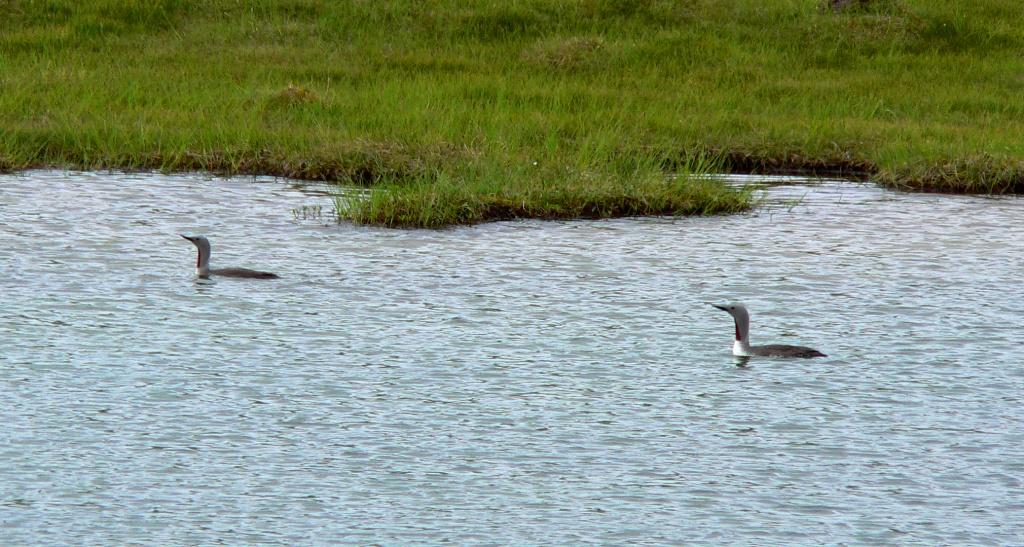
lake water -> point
(516, 382)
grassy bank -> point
(521, 107)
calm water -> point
(522, 382)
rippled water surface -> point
(518, 382)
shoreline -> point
(958, 176)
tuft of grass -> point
(565, 54)
(291, 97)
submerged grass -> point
(446, 106)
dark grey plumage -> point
(782, 350)
(243, 272)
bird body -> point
(243, 272)
(203, 269)
(742, 348)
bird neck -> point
(202, 262)
(742, 344)
(740, 349)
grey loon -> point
(742, 348)
(203, 263)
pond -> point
(515, 382)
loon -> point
(742, 348)
(203, 263)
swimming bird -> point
(203, 263)
(742, 348)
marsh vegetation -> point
(460, 113)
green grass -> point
(444, 106)
(552, 191)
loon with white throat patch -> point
(203, 269)
(742, 348)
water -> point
(519, 382)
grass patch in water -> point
(639, 188)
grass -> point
(553, 191)
(444, 107)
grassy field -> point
(460, 112)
